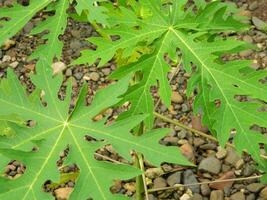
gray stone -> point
(255, 187)
(69, 72)
(78, 75)
(75, 33)
(259, 24)
(94, 76)
(171, 140)
(198, 141)
(246, 53)
(238, 196)
(182, 134)
(196, 196)
(28, 27)
(248, 39)
(159, 182)
(208, 146)
(151, 197)
(189, 177)
(216, 195)
(106, 71)
(211, 165)
(185, 107)
(251, 197)
(205, 190)
(175, 178)
(75, 44)
(232, 156)
(253, 6)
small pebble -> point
(14, 64)
(259, 24)
(246, 53)
(239, 164)
(58, 67)
(174, 178)
(221, 153)
(176, 97)
(211, 165)
(185, 197)
(154, 172)
(217, 195)
(159, 182)
(238, 196)
(68, 72)
(255, 187)
(94, 76)
(263, 193)
(205, 190)
(6, 58)
(253, 5)
(78, 75)
(189, 178)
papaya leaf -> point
(195, 31)
(56, 128)
(156, 31)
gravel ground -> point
(213, 161)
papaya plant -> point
(138, 35)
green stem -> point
(139, 185)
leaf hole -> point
(237, 86)
(217, 103)
(115, 37)
(259, 129)
(14, 169)
(31, 123)
(241, 98)
(263, 81)
(24, 2)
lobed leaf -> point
(56, 128)
(195, 32)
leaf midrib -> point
(204, 65)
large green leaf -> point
(155, 29)
(56, 129)
(195, 31)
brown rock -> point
(8, 44)
(197, 124)
(176, 97)
(222, 185)
(188, 151)
(63, 193)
